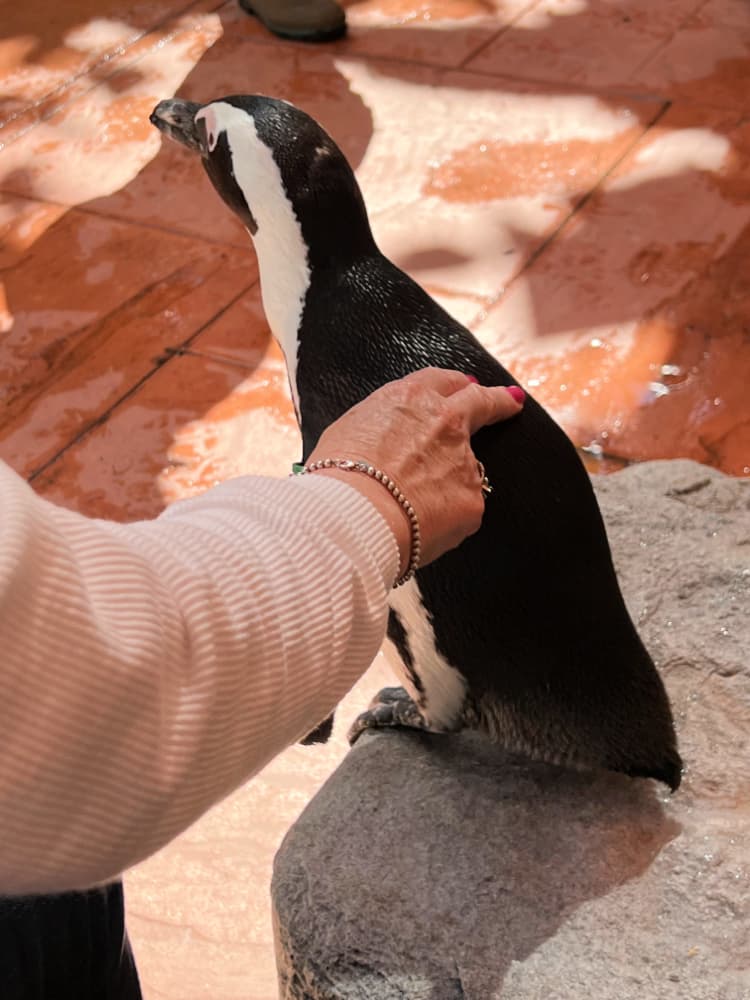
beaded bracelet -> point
(369, 470)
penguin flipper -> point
(321, 733)
(391, 707)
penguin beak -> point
(176, 119)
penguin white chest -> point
(443, 688)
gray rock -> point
(434, 868)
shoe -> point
(301, 20)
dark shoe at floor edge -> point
(299, 20)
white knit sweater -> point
(148, 669)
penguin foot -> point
(390, 707)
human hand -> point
(418, 430)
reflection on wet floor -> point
(571, 178)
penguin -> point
(522, 631)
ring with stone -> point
(485, 483)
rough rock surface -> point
(434, 868)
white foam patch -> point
(491, 114)
(544, 15)
(99, 34)
(487, 238)
(282, 253)
(678, 152)
(234, 437)
(96, 145)
(444, 687)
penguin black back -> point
(525, 618)
(534, 593)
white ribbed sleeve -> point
(149, 669)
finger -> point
(483, 405)
(444, 381)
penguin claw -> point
(389, 708)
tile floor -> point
(569, 177)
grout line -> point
(113, 55)
(184, 352)
(248, 288)
(167, 356)
(652, 54)
(604, 91)
(553, 88)
(579, 205)
(564, 89)
(185, 234)
(556, 88)
(485, 44)
(124, 220)
(335, 50)
(660, 48)
(90, 334)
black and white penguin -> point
(522, 631)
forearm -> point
(150, 669)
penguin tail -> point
(668, 771)
(637, 730)
(618, 719)
(632, 729)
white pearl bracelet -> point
(369, 470)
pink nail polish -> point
(516, 392)
(472, 379)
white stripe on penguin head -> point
(282, 253)
(212, 130)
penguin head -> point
(266, 157)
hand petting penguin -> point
(522, 631)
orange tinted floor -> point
(569, 177)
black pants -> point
(69, 947)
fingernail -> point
(472, 379)
(516, 392)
